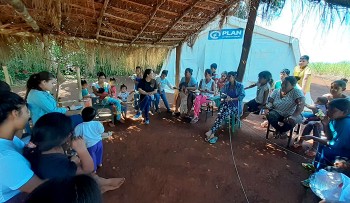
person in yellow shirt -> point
(303, 74)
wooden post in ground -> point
(79, 83)
(7, 75)
(177, 65)
(177, 71)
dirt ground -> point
(169, 162)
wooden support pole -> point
(79, 83)
(248, 35)
(7, 75)
(22, 10)
(177, 64)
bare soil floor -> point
(168, 161)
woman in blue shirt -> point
(232, 105)
(336, 128)
(39, 99)
(16, 176)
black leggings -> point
(273, 117)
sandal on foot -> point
(207, 138)
(309, 167)
(213, 140)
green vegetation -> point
(341, 69)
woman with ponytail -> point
(16, 176)
(39, 99)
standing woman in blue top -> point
(234, 93)
(147, 88)
(102, 89)
(191, 86)
(39, 99)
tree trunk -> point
(248, 35)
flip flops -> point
(213, 140)
(309, 167)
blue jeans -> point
(161, 94)
(145, 106)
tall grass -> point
(341, 69)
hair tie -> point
(31, 145)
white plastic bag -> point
(331, 186)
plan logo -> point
(225, 34)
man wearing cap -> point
(162, 82)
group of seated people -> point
(58, 148)
(45, 156)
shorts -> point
(125, 108)
(96, 153)
(253, 106)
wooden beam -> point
(117, 32)
(122, 19)
(100, 18)
(148, 22)
(22, 10)
(138, 4)
(189, 9)
(229, 4)
(186, 4)
(114, 39)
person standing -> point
(162, 82)
(302, 73)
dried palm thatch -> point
(50, 51)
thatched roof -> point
(155, 22)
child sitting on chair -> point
(319, 107)
(92, 132)
(263, 84)
(123, 96)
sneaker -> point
(137, 115)
(194, 120)
(169, 111)
(147, 122)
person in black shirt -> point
(147, 88)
